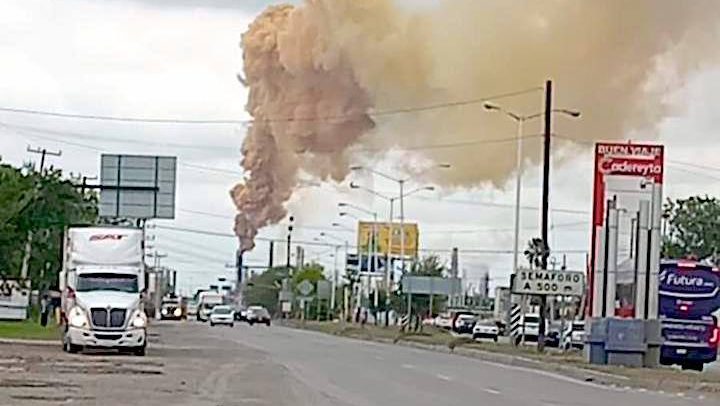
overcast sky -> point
(179, 59)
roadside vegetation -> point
(28, 330)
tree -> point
(692, 228)
(42, 204)
(535, 252)
(263, 289)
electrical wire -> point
(158, 120)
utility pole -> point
(289, 241)
(547, 135)
(28, 243)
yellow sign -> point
(383, 232)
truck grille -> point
(115, 318)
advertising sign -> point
(631, 160)
(689, 291)
(628, 174)
(392, 245)
(543, 282)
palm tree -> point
(536, 252)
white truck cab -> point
(102, 282)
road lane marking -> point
(443, 377)
(491, 391)
(408, 366)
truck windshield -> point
(107, 281)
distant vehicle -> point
(101, 283)
(257, 314)
(172, 309)
(464, 324)
(485, 330)
(191, 308)
(240, 313)
(206, 302)
(222, 314)
(429, 321)
(689, 295)
(531, 328)
(552, 338)
(443, 321)
(573, 336)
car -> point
(192, 308)
(487, 330)
(443, 321)
(222, 314)
(573, 335)
(257, 314)
(464, 324)
(552, 338)
(240, 314)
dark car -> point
(257, 314)
(464, 324)
(552, 338)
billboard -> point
(137, 186)
(631, 175)
(385, 244)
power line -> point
(21, 129)
(158, 120)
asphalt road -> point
(193, 364)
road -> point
(193, 364)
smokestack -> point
(454, 263)
(239, 268)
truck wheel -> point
(267, 323)
(72, 348)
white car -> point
(574, 335)
(222, 315)
(486, 330)
(443, 321)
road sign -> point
(431, 285)
(542, 282)
(305, 288)
(286, 307)
(323, 289)
(137, 186)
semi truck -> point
(101, 283)
(689, 301)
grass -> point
(28, 330)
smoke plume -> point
(323, 76)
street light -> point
(520, 120)
(401, 183)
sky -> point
(180, 58)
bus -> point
(689, 302)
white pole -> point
(518, 191)
(612, 250)
(334, 281)
(388, 264)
